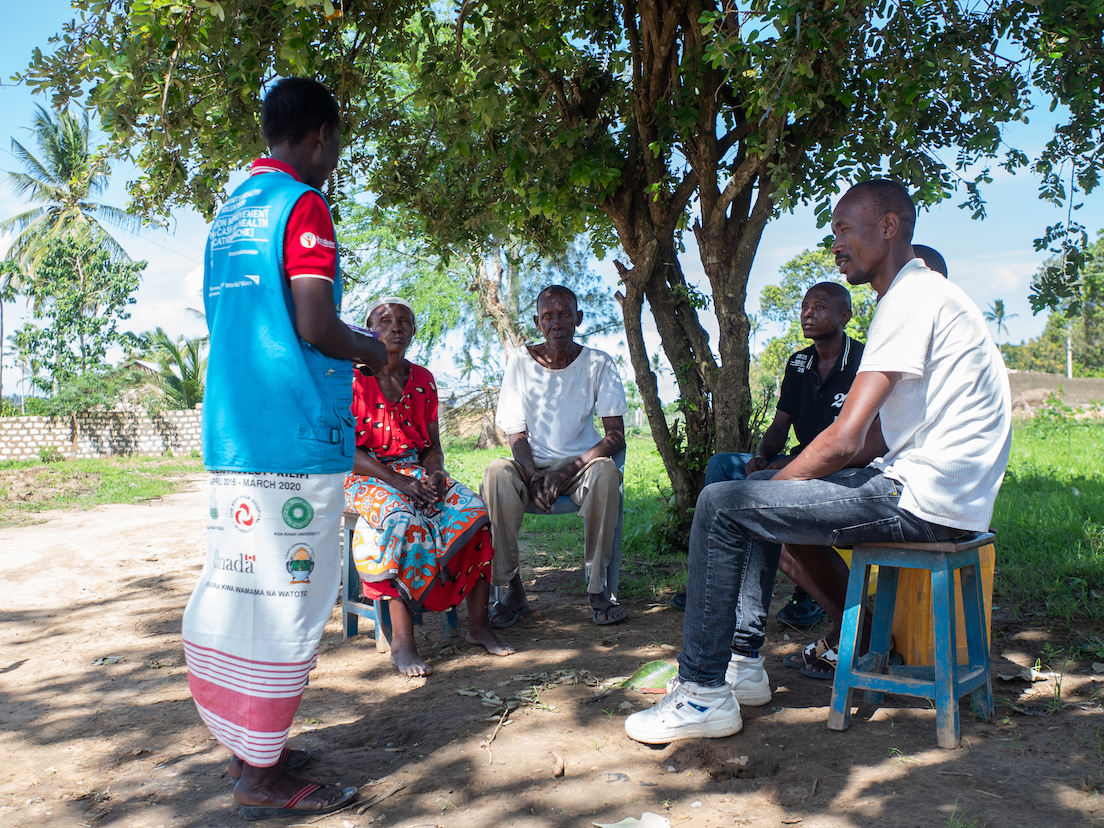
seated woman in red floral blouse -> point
(422, 540)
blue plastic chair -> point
(946, 681)
(354, 607)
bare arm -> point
(523, 453)
(546, 486)
(317, 322)
(874, 446)
(834, 448)
(774, 440)
(613, 442)
(433, 461)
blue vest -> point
(273, 402)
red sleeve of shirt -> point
(309, 240)
(424, 398)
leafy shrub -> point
(50, 454)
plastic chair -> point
(946, 681)
(354, 607)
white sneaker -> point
(689, 711)
(748, 678)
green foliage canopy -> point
(65, 179)
(83, 295)
(1080, 319)
(541, 120)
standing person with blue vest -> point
(278, 441)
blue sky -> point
(990, 259)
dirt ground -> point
(97, 727)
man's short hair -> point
(931, 258)
(560, 289)
(834, 291)
(295, 107)
(885, 195)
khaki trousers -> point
(596, 490)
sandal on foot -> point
(305, 755)
(612, 614)
(810, 655)
(291, 809)
(502, 616)
(820, 660)
(798, 660)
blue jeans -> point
(728, 465)
(736, 538)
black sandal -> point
(609, 614)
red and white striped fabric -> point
(253, 624)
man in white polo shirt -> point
(551, 393)
(933, 373)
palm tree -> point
(9, 287)
(755, 324)
(64, 181)
(27, 361)
(183, 364)
(996, 314)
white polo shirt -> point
(948, 421)
(556, 407)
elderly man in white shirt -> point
(550, 395)
(933, 374)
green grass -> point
(1049, 517)
(85, 483)
(1049, 521)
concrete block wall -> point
(101, 434)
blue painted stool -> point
(944, 682)
(354, 607)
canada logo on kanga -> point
(246, 513)
(300, 563)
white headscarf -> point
(390, 300)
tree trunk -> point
(494, 300)
(512, 289)
(687, 444)
(727, 252)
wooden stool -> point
(354, 607)
(944, 682)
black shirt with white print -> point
(812, 404)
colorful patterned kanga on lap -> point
(430, 558)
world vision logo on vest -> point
(300, 563)
(298, 513)
(246, 513)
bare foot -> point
(406, 658)
(275, 786)
(488, 638)
(404, 649)
(479, 622)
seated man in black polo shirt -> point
(814, 387)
